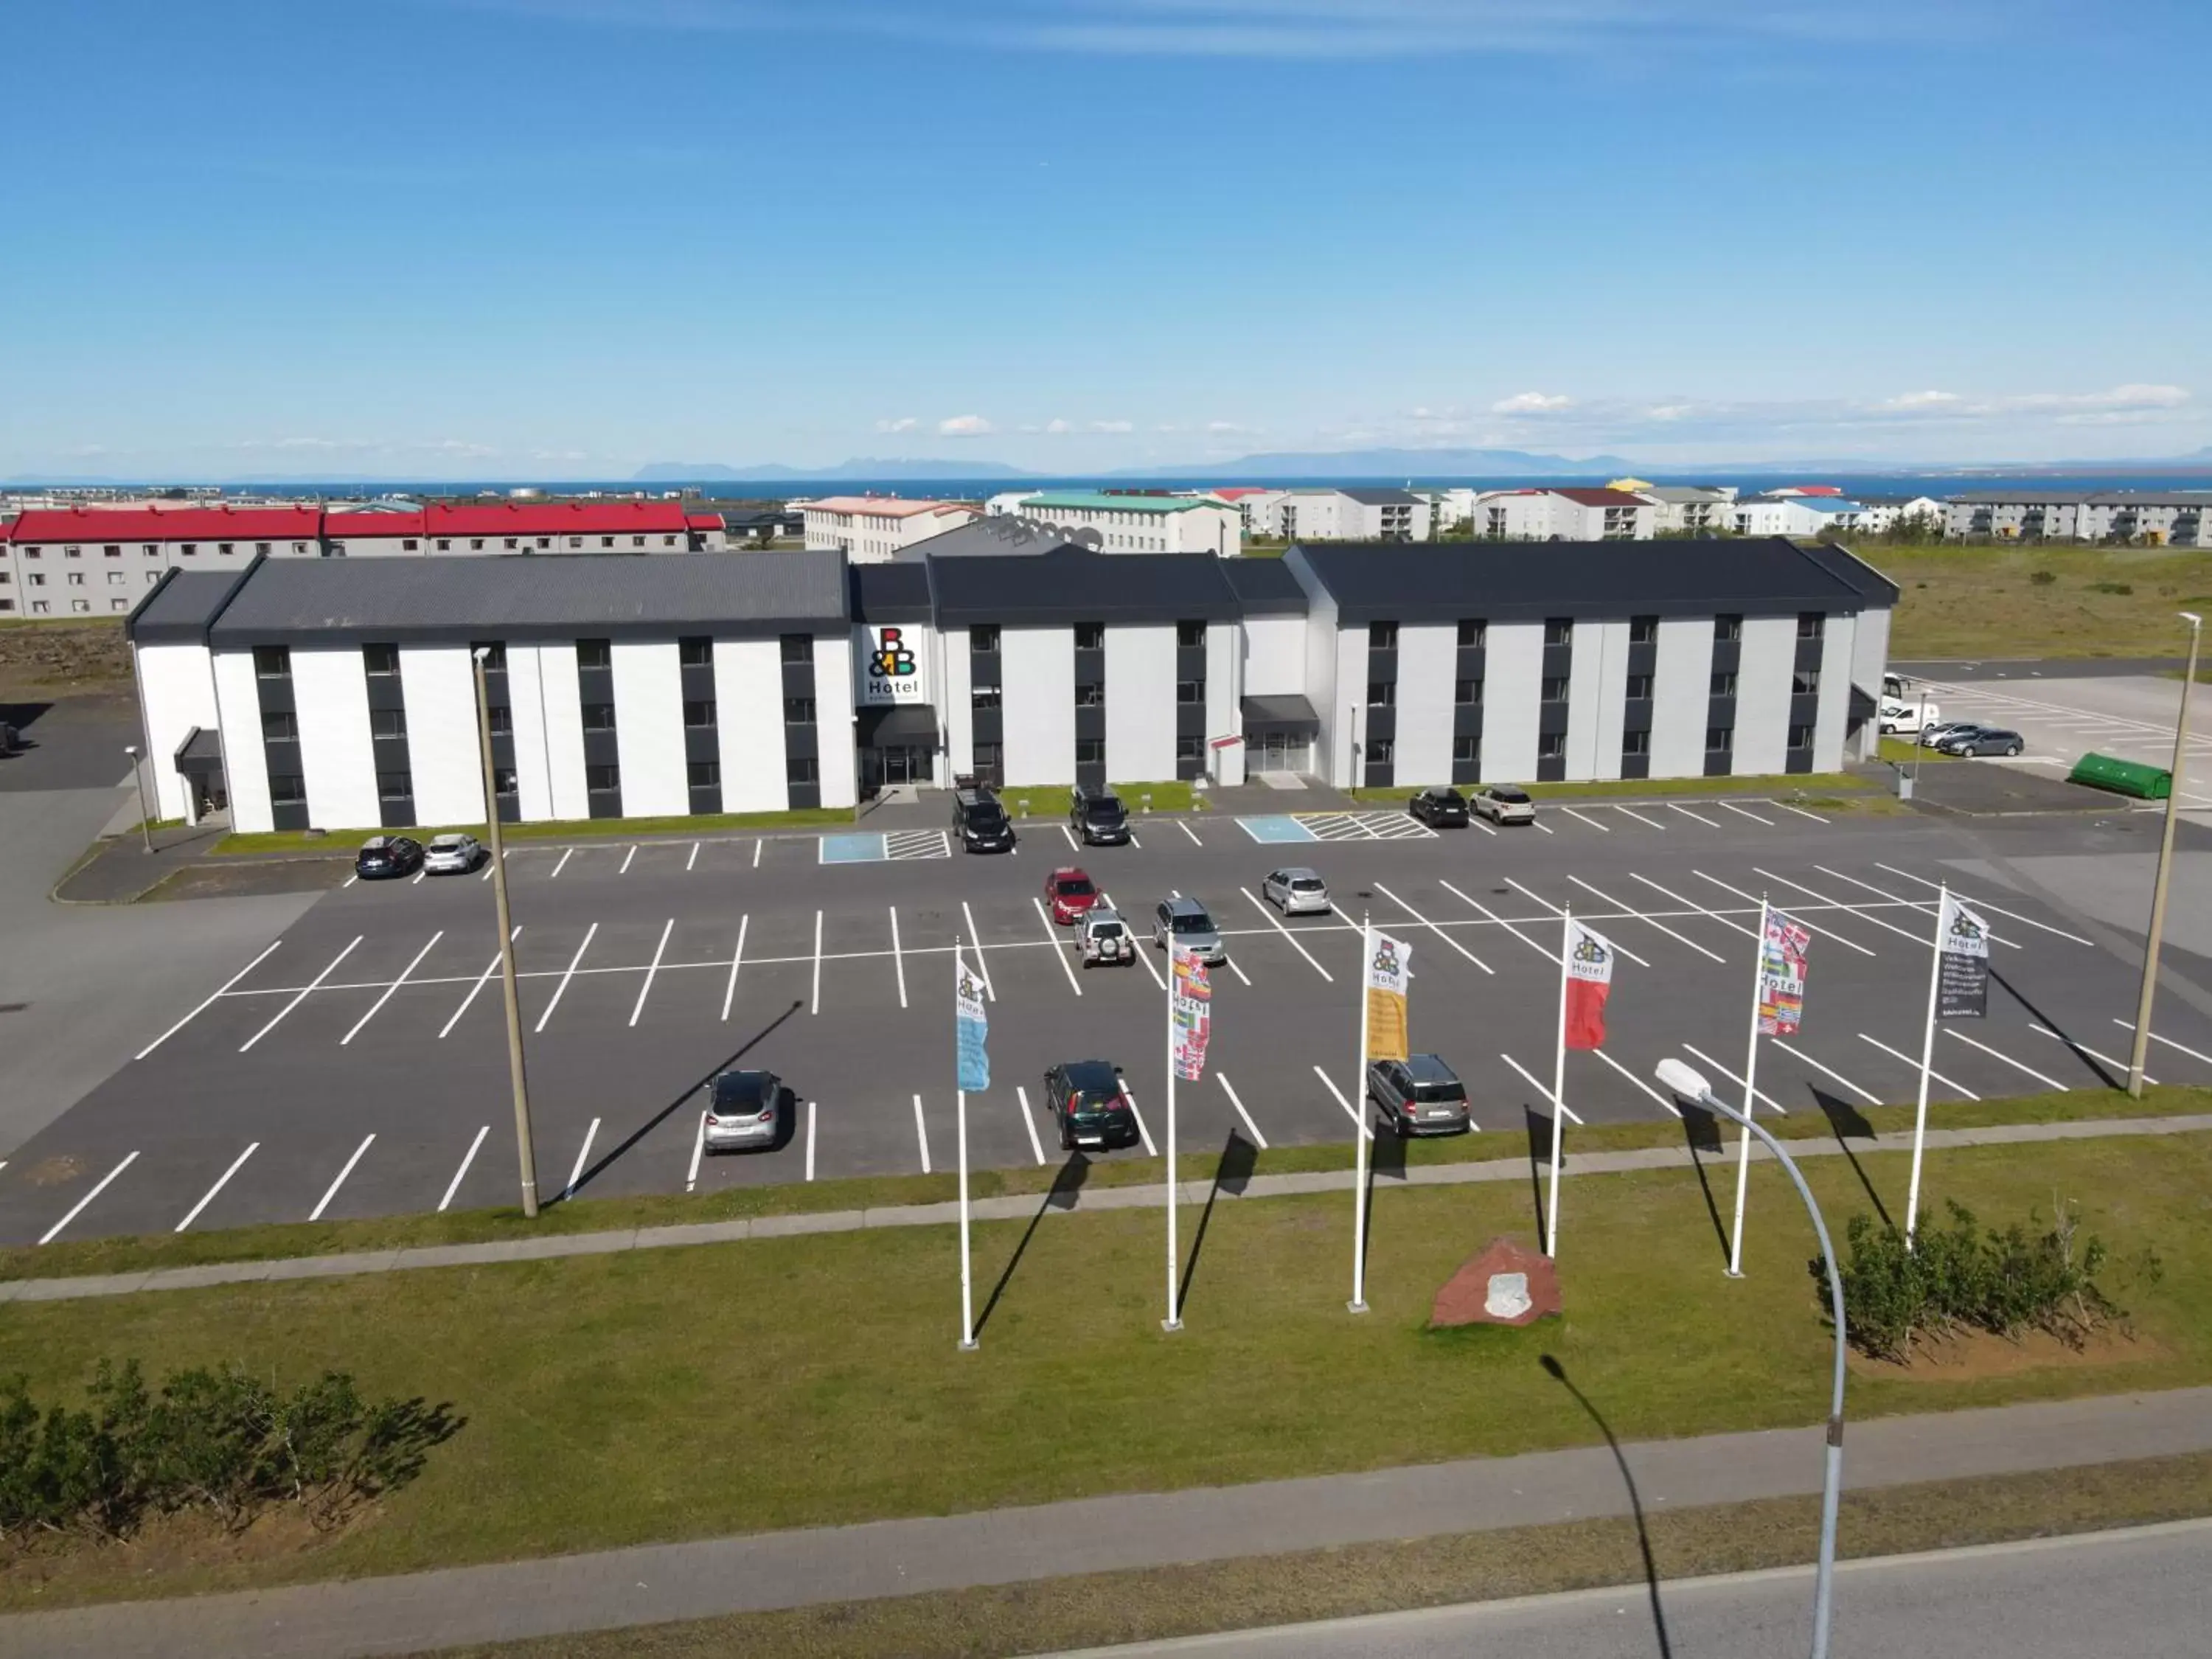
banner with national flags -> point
(1962, 975)
(1190, 1013)
(1388, 973)
(971, 1027)
(1781, 974)
(1588, 980)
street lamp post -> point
(2139, 1050)
(524, 1150)
(146, 813)
(1691, 1086)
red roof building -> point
(560, 519)
(168, 523)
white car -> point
(1296, 891)
(1502, 804)
(1897, 715)
(452, 855)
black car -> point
(1088, 1107)
(1440, 807)
(387, 855)
(1420, 1096)
(981, 821)
(1097, 817)
(1980, 740)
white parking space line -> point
(1638, 817)
(1868, 1095)
(1629, 910)
(1691, 904)
(1143, 1133)
(488, 870)
(1984, 904)
(698, 1151)
(736, 959)
(1818, 933)
(77, 1209)
(1538, 823)
(921, 1134)
(1070, 834)
(1756, 1094)
(300, 996)
(898, 957)
(316, 1214)
(1544, 951)
(349, 881)
(1435, 929)
(1602, 828)
(1915, 1065)
(810, 1139)
(658, 951)
(1921, 906)
(2128, 1026)
(693, 859)
(490, 967)
(982, 968)
(389, 988)
(419, 874)
(1230, 962)
(467, 1159)
(1663, 1100)
(1799, 810)
(567, 853)
(757, 845)
(2106, 1060)
(222, 1181)
(627, 857)
(1022, 1098)
(1275, 923)
(1134, 843)
(1710, 823)
(1059, 953)
(2051, 1082)
(1740, 812)
(1187, 830)
(1859, 910)
(565, 978)
(210, 1003)
(1557, 911)
(1475, 821)
(1142, 948)
(1565, 1111)
(1337, 1094)
(1250, 1128)
(584, 1152)
(814, 1002)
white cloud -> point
(1223, 426)
(963, 426)
(904, 423)
(1113, 426)
(1532, 403)
(1920, 400)
(1059, 428)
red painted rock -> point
(1507, 1284)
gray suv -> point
(1420, 1095)
(1185, 920)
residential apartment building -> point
(870, 529)
(1794, 515)
(90, 560)
(1350, 515)
(1878, 515)
(1138, 521)
(1690, 509)
(2004, 512)
(1563, 515)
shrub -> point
(2043, 578)
(2005, 1283)
(223, 1442)
(2112, 587)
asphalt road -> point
(2134, 1594)
(357, 1068)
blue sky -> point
(564, 238)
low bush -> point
(2005, 1283)
(2043, 578)
(223, 1442)
(2112, 587)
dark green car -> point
(1088, 1106)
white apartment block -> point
(1690, 509)
(1136, 521)
(2176, 518)
(1350, 515)
(1563, 515)
(871, 529)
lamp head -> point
(1683, 1078)
(2192, 619)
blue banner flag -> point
(971, 1026)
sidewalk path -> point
(653, 1583)
(1018, 1207)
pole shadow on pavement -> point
(2049, 1023)
(1062, 1194)
(1558, 1373)
(1701, 1133)
(1239, 1158)
(1539, 1126)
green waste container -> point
(2123, 777)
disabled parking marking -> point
(1036, 1147)
(210, 1003)
(467, 1159)
(1252, 1128)
(334, 1186)
(222, 1181)
(1960, 1087)
(300, 995)
(1565, 1111)
(77, 1209)
(1275, 827)
(908, 844)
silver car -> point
(1296, 891)
(1503, 804)
(744, 1108)
(452, 855)
(1186, 920)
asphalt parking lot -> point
(356, 1067)
(2063, 717)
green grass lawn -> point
(613, 1399)
(340, 842)
(1049, 800)
(1828, 788)
(1987, 601)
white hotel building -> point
(869, 529)
(339, 694)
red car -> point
(1070, 894)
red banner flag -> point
(1590, 977)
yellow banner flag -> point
(1387, 963)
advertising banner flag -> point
(1590, 977)
(1388, 973)
(1190, 1013)
(971, 1026)
(1782, 975)
(1962, 976)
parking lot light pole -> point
(2139, 1050)
(524, 1151)
(146, 813)
(1690, 1085)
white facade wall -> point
(437, 686)
(1681, 687)
(330, 691)
(1597, 691)
(533, 747)
(1039, 712)
(1428, 660)
(1318, 669)
(1141, 703)
(1837, 644)
(1869, 660)
(245, 762)
(1274, 657)
(176, 692)
(1512, 696)
(1224, 697)
(839, 765)
(1765, 670)
(956, 704)
(749, 725)
(560, 695)
(649, 678)
(1348, 674)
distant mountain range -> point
(858, 467)
(1291, 463)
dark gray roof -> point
(183, 604)
(1281, 710)
(1071, 584)
(1264, 586)
(1517, 581)
(993, 533)
(1380, 497)
(1853, 571)
(890, 592)
(520, 596)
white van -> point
(1907, 718)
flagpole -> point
(1173, 1321)
(1927, 1062)
(967, 1279)
(1358, 1302)
(1750, 1097)
(1558, 1088)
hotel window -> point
(511, 543)
(505, 781)
(475, 543)
(1466, 751)
(33, 552)
(1560, 630)
(76, 579)
(394, 785)
(599, 780)
(1190, 690)
(575, 541)
(287, 789)
(224, 548)
(1190, 635)
(1091, 636)
(153, 576)
(261, 547)
(1810, 623)
(1643, 630)
(1801, 736)
(599, 717)
(594, 653)
(1805, 682)
(1726, 628)
(984, 640)
(80, 605)
(798, 648)
(1091, 751)
(1718, 738)
(153, 551)
(444, 544)
(698, 711)
(40, 607)
(36, 579)
(1090, 695)
(410, 544)
(798, 711)
(1381, 693)
(494, 655)
(1551, 745)
(380, 659)
(1723, 685)
(606, 541)
(703, 775)
(1639, 687)
(190, 549)
(1381, 751)
(1474, 634)
(113, 552)
(501, 719)
(388, 722)
(273, 662)
(1466, 692)
(1635, 743)
(637, 541)
(695, 652)
(983, 696)
(544, 543)
(801, 769)
(119, 604)
(1554, 688)
(1383, 636)
(1190, 749)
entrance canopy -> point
(908, 726)
(1288, 714)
